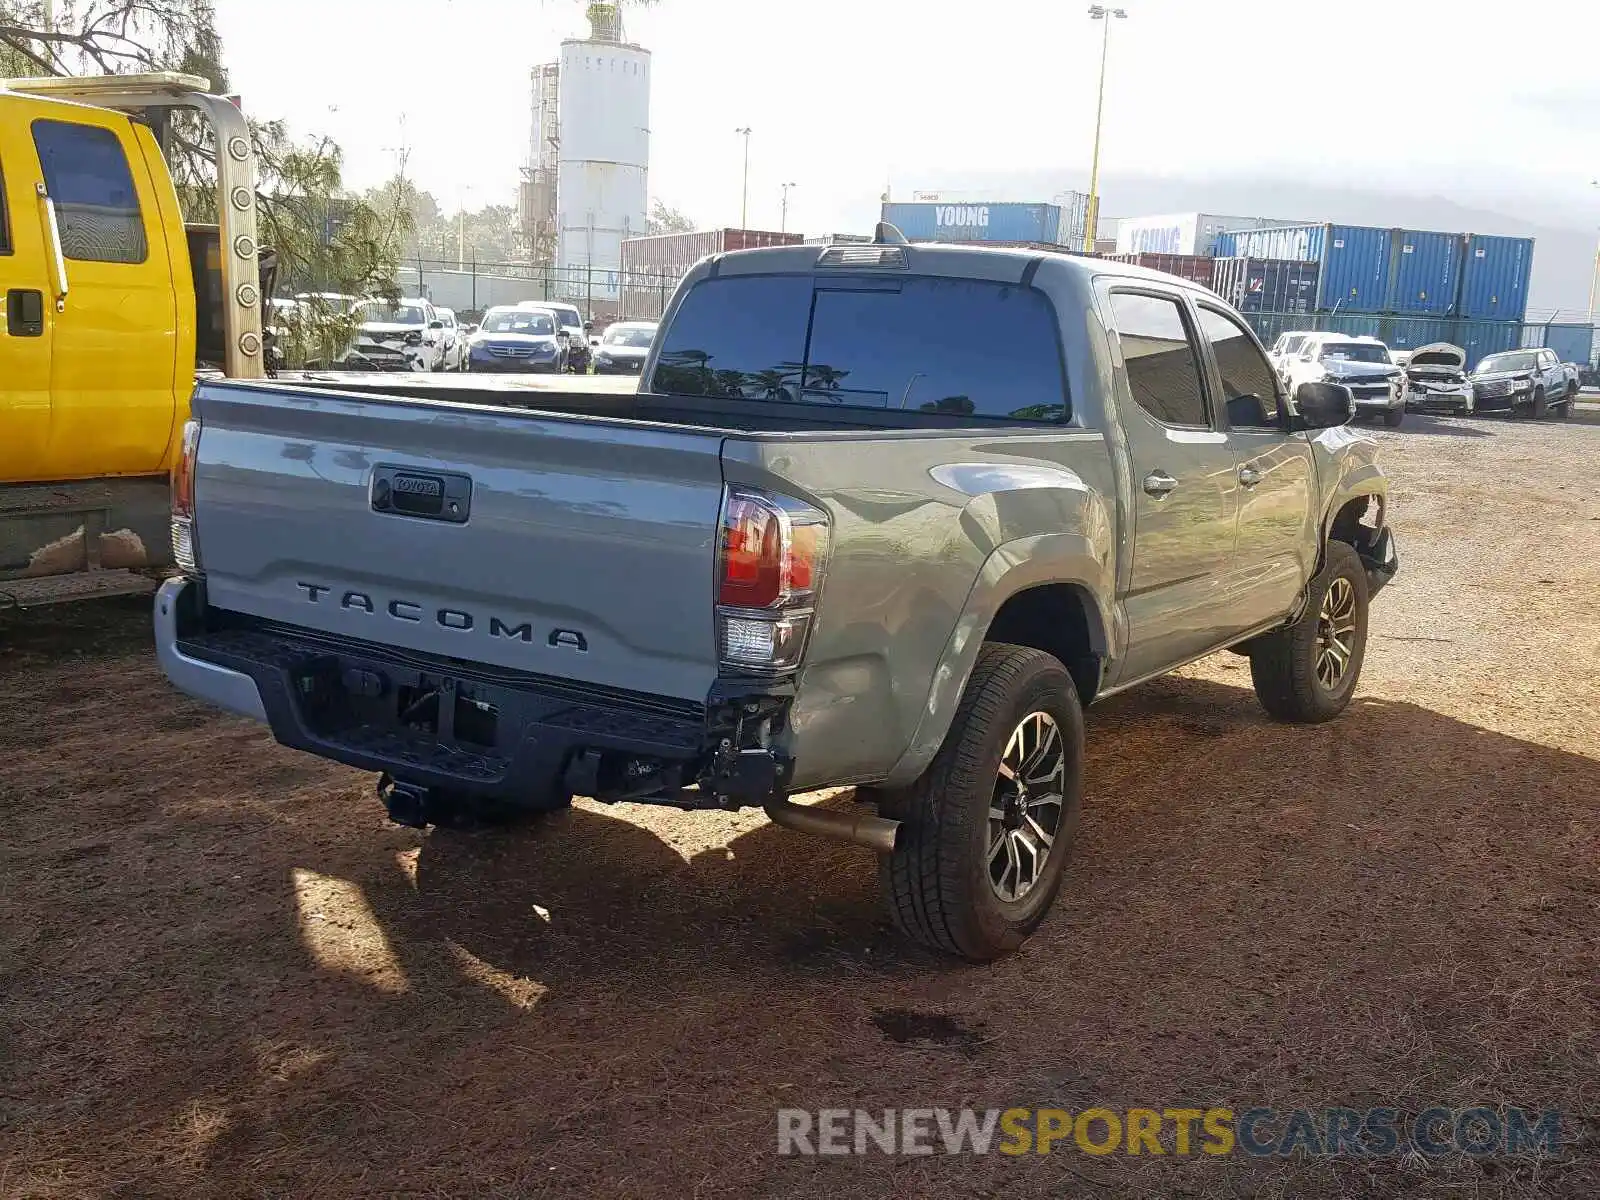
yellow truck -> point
(111, 304)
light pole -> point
(1098, 12)
(783, 210)
(1594, 274)
(744, 195)
(461, 226)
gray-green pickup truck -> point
(883, 515)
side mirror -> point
(1323, 405)
(435, 324)
(562, 335)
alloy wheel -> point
(1336, 633)
(1025, 810)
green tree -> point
(326, 239)
(664, 219)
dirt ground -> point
(223, 973)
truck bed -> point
(620, 397)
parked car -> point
(455, 341)
(1360, 363)
(623, 347)
(1525, 382)
(568, 319)
(403, 335)
(517, 338)
(910, 580)
(1286, 347)
(1435, 380)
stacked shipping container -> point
(673, 254)
(1406, 271)
(1572, 343)
(1494, 278)
(1196, 268)
(1408, 287)
(1266, 284)
(1051, 224)
(1353, 260)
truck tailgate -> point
(580, 548)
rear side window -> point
(1249, 389)
(1163, 368)
(97, 208)
(959, 347)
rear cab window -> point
(87, 175)
(919, 344)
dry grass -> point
(222, 973)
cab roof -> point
(950, 259)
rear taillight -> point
(183, 547)
(771, 554)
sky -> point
(1482, 104)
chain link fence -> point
(470, 287)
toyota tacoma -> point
(824, 544)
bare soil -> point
(222, 973)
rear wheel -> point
(987, 830)
(1307, 672)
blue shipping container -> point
(1572, 343)
(1266, 284)
(1355, 259)
(976, 222)
(1425, 273)
(1482, 338)
(1408, 333)
(1494, 277)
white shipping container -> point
(1181, 233)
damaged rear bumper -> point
(448, 726)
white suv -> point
(400, 336)
(453, 355)
(1286, 347)
(1362, 364)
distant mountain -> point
(1563, 259)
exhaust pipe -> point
(876, 833)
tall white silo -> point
(601, 188)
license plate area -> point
(449, 712)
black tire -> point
(1541, 406)
(937, 878)
(1283, 664)
(1393, 417)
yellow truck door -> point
(113, 374)
(25, 335)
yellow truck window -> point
(88, 177)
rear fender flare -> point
(1012, 568)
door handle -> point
(1249, 476)
(1159, 484)
(25, 312)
